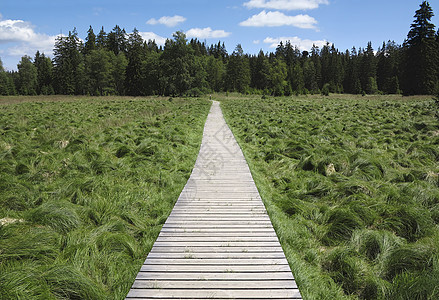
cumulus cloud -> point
(302, 44)
(16, 30)
(159, 40)
(206, 33)
(277, 19)
(167, 21)
(285, 4)
(23, 33)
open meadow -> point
(351, 185)
(85, 186)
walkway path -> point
(218, 242)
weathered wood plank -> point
(221, 255)
(215, 293)
(217, 249)
(219, 244)
(189, 260)
(216, 276)
(219, 234)
(213, 284)
(219, 230)
(215, 268)
(221, 239)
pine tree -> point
(44, 74)
(315, 57)
(238, 75)
(420, 54)
(90, 41)
(352, 82)
(261, 72)
(136, 55)
(310, 76)
(27, 77)
(4, 91)
(101, 39)
(388, 68)
(116, 40)
(98, 69)
(69, 65)
(215, 73)
(278, 78)
(368, 70)
(177, 62)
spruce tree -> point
(238, 75)
(27, 77)
(368, 70)
(420, 54)
(4, 91)
(90, 41)
(136, 54)
(44, 74)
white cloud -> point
(303, 45)
(159, 40)
(277, 19)
(206, 33)
(285, 4)
(21, 32)
(167, 21)
(256, 42)
(16, 30)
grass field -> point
(351, 185)
(85, 186)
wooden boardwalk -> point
(218, 242)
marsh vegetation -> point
(352, 187)
(85, 186)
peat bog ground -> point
(351, 185)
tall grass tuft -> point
(61, 216)
(341, 223)
(408, 258)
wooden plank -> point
(214, 284)
(220, 220)
(217, 262)
(227, 209)
(212, 226)
(215, 268)
(219, 234)
(201, 217)
(221, 239)
(215, 293)
(214, 210)
(217, 249)
(214, 202)
(219, 244)
(209, 255)
(219, 230)
(215, 276)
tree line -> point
(117, 63)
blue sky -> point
(30, 25)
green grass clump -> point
(85, 186)
(351, 186)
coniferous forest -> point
(117, 63)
